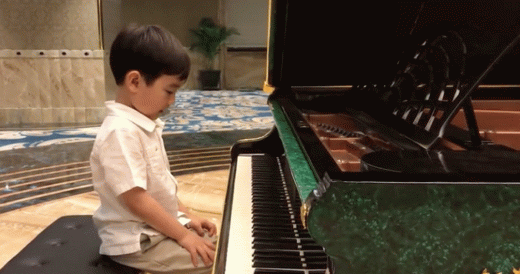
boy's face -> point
(151, 100)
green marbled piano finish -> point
(419, 227)
(302, 171)
(385, 227)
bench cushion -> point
(68, 245)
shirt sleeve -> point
(123, 161)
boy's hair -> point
(151, 50)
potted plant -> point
(208, 37)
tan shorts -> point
(160, 254)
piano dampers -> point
(338, 131)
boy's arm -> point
(140, 203)
(198, 223)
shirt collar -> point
(134, 116)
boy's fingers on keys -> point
(193, 255)
(207, 258)
(209, 244)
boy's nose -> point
(171, 100)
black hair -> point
(151, 50)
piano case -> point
(397, 135)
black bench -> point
(68, 245)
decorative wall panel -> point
(51, 62)
(49, 24)
(51, 86)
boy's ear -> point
(132, 79)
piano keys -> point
(266, 233)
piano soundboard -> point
(346, 139)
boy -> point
(138, 217)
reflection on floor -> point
(36, 190)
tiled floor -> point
(31, 174)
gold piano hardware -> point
(514, 271)
(304, 212)
(268, 88)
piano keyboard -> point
(265, 234)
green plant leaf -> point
(208, 38)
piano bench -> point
(68, 245)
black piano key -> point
(277, 213)
(284, 265)
(290, 262)
(289, 217)
(280, 245)
(278, 271)
(291, 256)
(287, 229)
(276, 234)
(272, 208)
(282, 252)
(269, 227)
(275, 226)
(275, 245)
(284, 240)
(291, 271)
(274, 222)
(278, 262)
(287, 271)
(320, 259)
(286, 226)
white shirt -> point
(128, 152)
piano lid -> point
(337, 43)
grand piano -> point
(396, 143)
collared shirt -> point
(128, 152)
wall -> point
(240, 69)
(245, 69)
(246, 56)
(250, 18)
(49, 24)
(112, 22)
(51, 86)
(51, 62)
(177, 16)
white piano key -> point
(240, 250)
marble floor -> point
(202, 183)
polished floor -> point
(40, 183)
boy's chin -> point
(163, 113)
(153, 117)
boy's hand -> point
(201, 224)
(198, 246)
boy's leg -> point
(160, 254)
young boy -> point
(138, 217)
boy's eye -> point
(170, 92)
